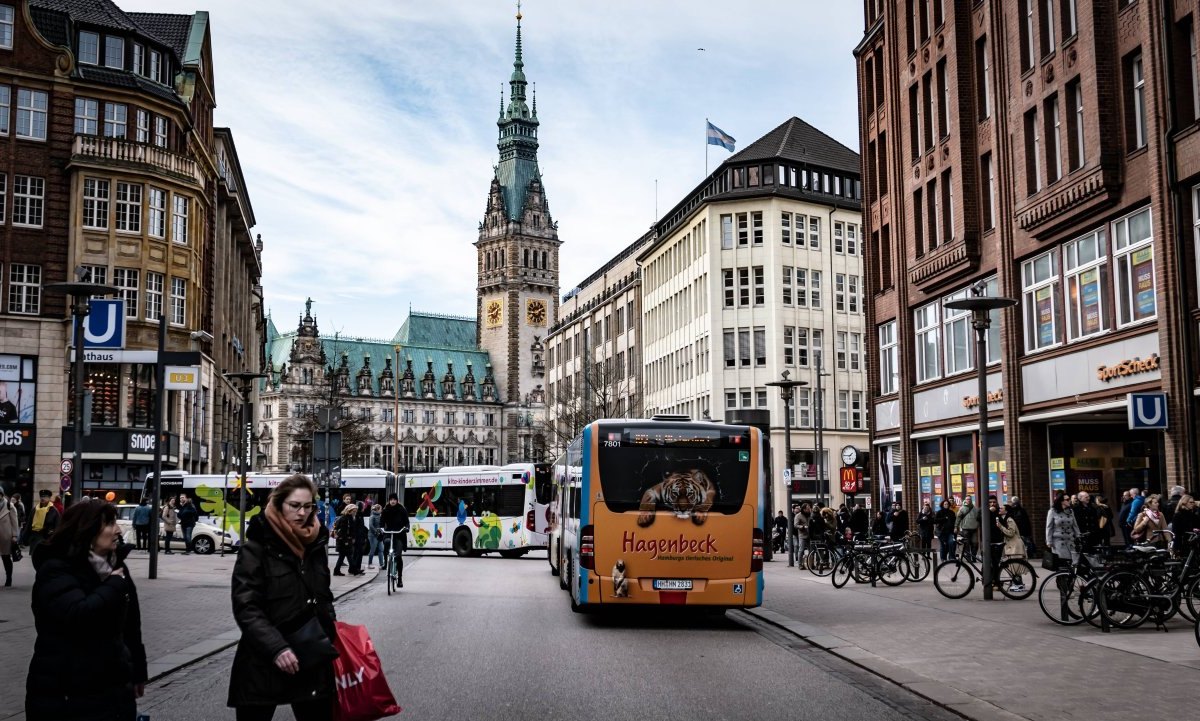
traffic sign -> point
(65, 482)
(66, 466)
(105, 324)
(1148, 411)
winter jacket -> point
(925, 520)
(376, 527)
(1171, 506)
(275, 593)
(899, 524)
(1061, 532)
(9, 529)
(141, 515)
(188, 515)
(1186, 519)
(88, 654)
(945, 521)
(967, 518)
(860, 522)
(1135, 507)
(1088, 521)
(170, 519)
(1144, 529)
(1014, 546)
(1021, 518)
(1106, 528)
(48, 525)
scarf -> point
(102, 565)
(1151, 516)
(296, 539)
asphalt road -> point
(494, 639)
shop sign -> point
(851, 480)
(141, 443)
(1148, 411)
(1099, 369)
(181, 378)
(16, 439)
(1129, 367)
(993, 398)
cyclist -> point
(394, 517)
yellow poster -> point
(955, 468)
(937, 470)
(992, 466)
(956, 484)
(1003, 467)
(968, 468)
(925, 471)
(1057, 464)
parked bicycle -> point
(1014, 577)
(869, 560)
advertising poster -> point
(18, 392)
(969, 478)
(1089, 290)
(938, 482)
(1044, 300)
(1058, 481)
(1142, 263)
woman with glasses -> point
(284, 607)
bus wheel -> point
(462, 543)
(572, 582)
(512, 553)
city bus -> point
(539, 478)
(473, 510)
(663, 511)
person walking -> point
(966, 525)
(394, 517)
(1151, 524)
(1136, 501)
(1024, 525)
(779, 535)
(375, 537)
(358, 524)
(280, 586)
(1106, 529)
(170, 520)
(898, 525)
(879, 526)
(9, 530)
(187, 515)
(1086, 518)
(944, 520)
(1187, 520)
(1062, 530)
(40, 522)
(860, 522)
(343, 534)
(1014, 545)
(141, 524)
(801, 520)
(20, 506)
(925, 524)
(1122, 515)
(88, 659)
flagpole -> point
(706, 147)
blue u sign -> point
(105, 326)
(1148, 411)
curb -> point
(930, 689)
(178, 660)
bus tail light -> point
(587, 548)
(529, 520)
(756, 557)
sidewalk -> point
(989, 660)
(186, 615)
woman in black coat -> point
(280, 583)
(944, 520)
(925, 525)
(88, 659)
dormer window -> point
(6, 26)
(89, 48)
(155, 64)
(139, 59)
(114, 52)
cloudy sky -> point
(368, 137)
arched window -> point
(502, 258)
(543, 260)
(525, 257)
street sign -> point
(65, 482)
(93, 355)
(105, 324)
(1148, 411)
(182, 378)
(850, 479)
(66, 466)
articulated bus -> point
(662, 511)
(473, 510)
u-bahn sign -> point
(1148, 411)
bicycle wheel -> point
(1059, 598)
(1124, 599)
(893, 568)
(1165, 588)
(1014, 574)
(1089, 608)
(862, 568)
(1190, 600)
(391, 574)
(918, 566)
(954, 578)
(840, 575)
(819, 562)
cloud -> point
(367, 131)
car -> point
(204, 536)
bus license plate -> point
(672, 584)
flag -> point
(716, 136)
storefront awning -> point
(1083, 410)
(954, 430)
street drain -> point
(435, 603)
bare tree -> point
(603, 391)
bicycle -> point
(394, 582)
(869, 560)
(1066, 596)
(955, 578)
(919, 561)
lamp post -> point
(80, 292)
(247, 382)
(786, 386)
(981, 308)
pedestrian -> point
(394, 519)
(1014, 545)
(1123, 515)
(88, 658)
(1086, 518)
(9, 530)
(358, 524)
(944, 521)
(898, 526)
(188, 515)
(779, 536)
(170, 520)
(141, 524)
(860, 522)
(1173, 501)
(1105, 528)
(280, 587)
(1024, 525)
(375, 537)
(343, 534)
(925, 524)
(843, 518)
(40, 522)
(1062, 530)
(966, 525)
(20, 506)
(1136, 501)
(322, 509)
(58, 504)
(879, 525)
(1151, 524)
(801, 520)
(1187, 521)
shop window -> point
(1134, 260)
(931, 478)
(1039, 281)
(960, 462)
(1084, 264)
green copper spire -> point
(518, 138)
(516, 96)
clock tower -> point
(517, 256)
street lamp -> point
(786, 386)
(247, 380)
(981, 308)
(80, 292)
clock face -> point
(849, 455)
(494, 314)
(535, 312)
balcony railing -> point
(124, 151)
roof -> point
(795, 139)
(432, 329)
(172, 30)
(515, 176)
(101, 13)
(125, 79)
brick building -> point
(1046, 151)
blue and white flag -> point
(716, 136)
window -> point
(1053, 134)
(95, 274)
(889, 359)
(852, 293)
(801, 287)
(3, 196)
(89, 48)
(743, 287)
(1039, 282)
(839, 349)
(851, 240)
(158, 212)
(785, 228)
(928, 346)
(129, 207)
(839, 292)
(6, 26)
(143, 126)
(139, 56)
(743, 229)
(933, 209)
(744, 348)
(31, 114)
(155, 65)
(179, 219)
(802, 349)
(814, 233)
(843, 409)
(943, 91)
(856, 351)
(25, 289)
(5, 105)
(114, 52)
(95, 203)
(28, 200)
(789, 345)
(956, 327)
(914, 122)
(803, 407)
(1133, 255)
(730, 349)
(178, 301)
(126, 281)
(727, 282)
(1025, 12)
(154, 296)
(756, 220)
(1049, 41)
(1070, 23)
(760, 288)
(818, 347)
(814, 289)
(1083, 262)
(726, 232)
(1137, 98)
(1075, 122)
(983, 78)
(115, 120)
(87, 116)
(162, 127)
(1195, 70)
(760, 347)
(787, 285)
(760, 397)
(989, 191)
(1033, 152)
(927, 128)
(839, 237)
(918, 222)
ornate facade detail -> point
(449, 390)
(468, 384)
(408, 387)
(387, 380)
(537, 352)
(365, 380)
(427, 382)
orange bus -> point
(662, 511)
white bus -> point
(473, 510)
